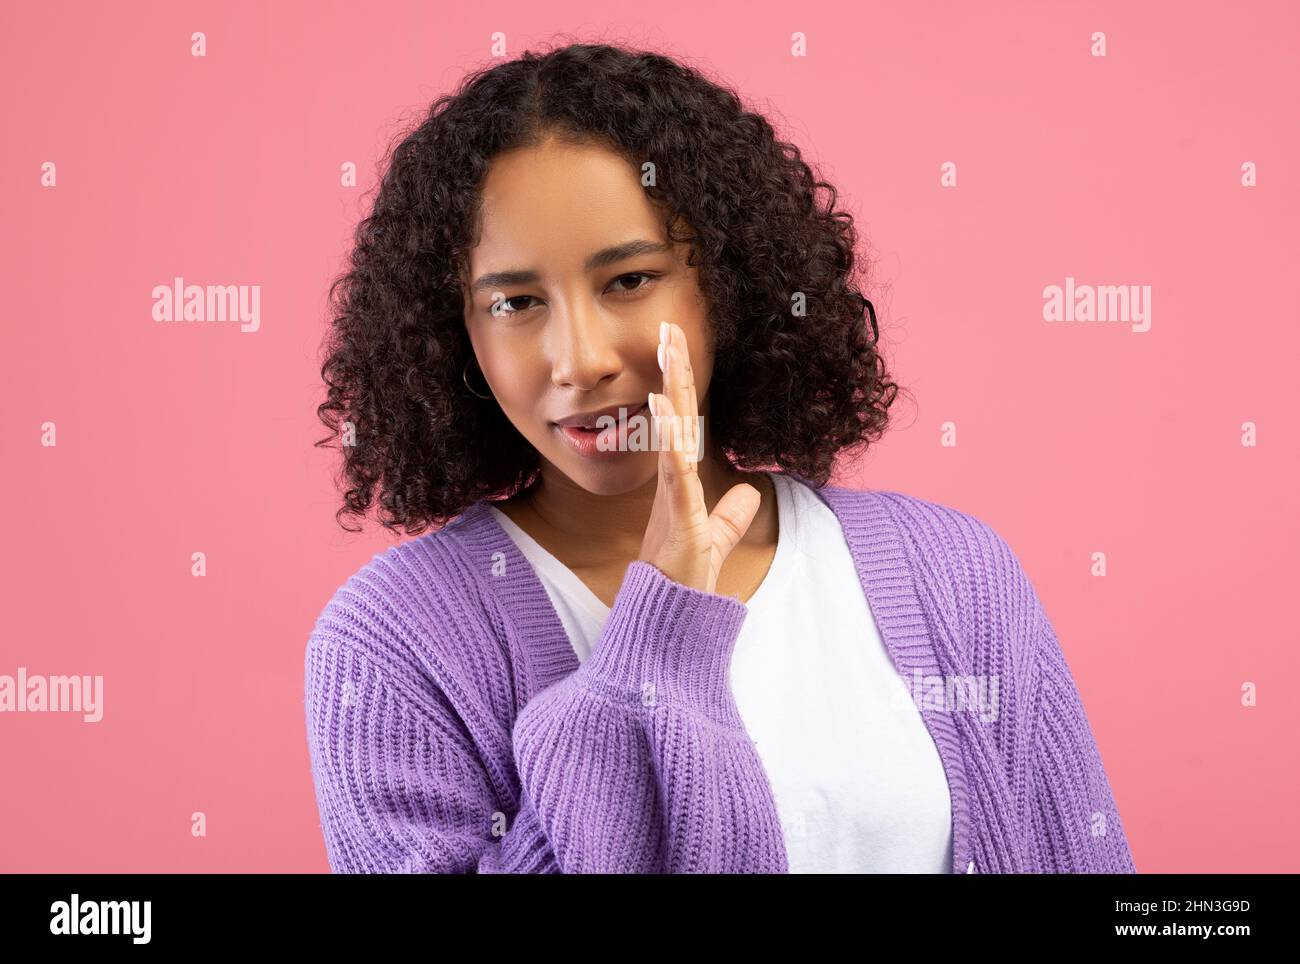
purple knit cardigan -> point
(452, 728)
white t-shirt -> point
(858, 782)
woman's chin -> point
(611, 474)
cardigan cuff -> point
(666, 643)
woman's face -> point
(573, 256)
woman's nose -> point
(584, 352)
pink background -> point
(1072, 438)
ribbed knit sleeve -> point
(1076, 824)
(400, 785)
(635, 761)
(638, 762)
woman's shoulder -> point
(931, 529)
(952, 539)
(408, 604)
(961, 563)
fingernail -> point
(660, 352)
(664, 333)
(650, 401)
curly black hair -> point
(790, 388)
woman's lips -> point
(587, 442)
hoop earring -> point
(464, 377)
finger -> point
(677, 474)
(679, 380)
(693, 423)
(692, 408)
(679, 385)
(731, 519)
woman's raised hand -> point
(683, 540)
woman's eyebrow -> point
(601, 259)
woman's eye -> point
(634, 274)
(504, 306)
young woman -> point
(667, 650)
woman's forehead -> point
(547, 196)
